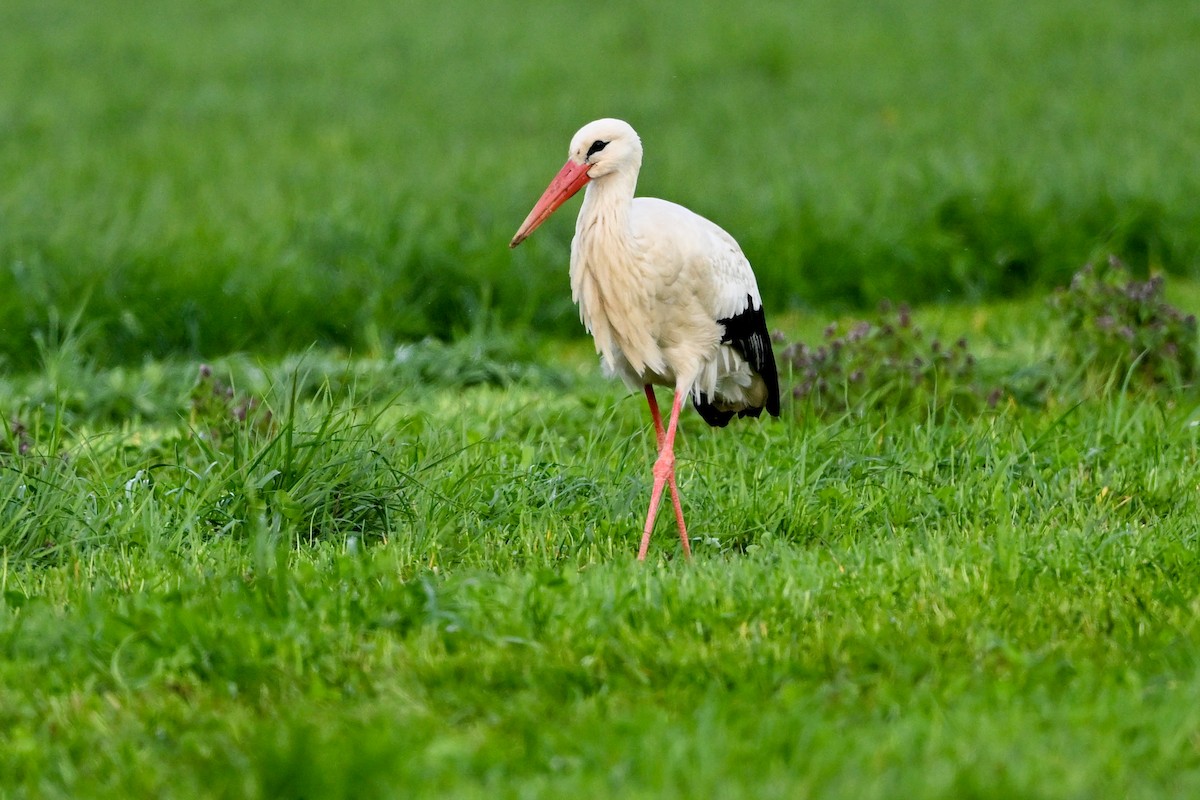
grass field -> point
(203, 177)
(416, 576)
(309, 487)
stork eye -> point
(596, 147)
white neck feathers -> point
(608, 276)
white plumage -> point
(667, 295)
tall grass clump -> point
(1117, 327)
(265, 462)
(272, 464)
(887, 362)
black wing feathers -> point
(747, 333)
(713, 415)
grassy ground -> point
(346, 560)
(416, 576)
(205, 177)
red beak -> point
(569, 180)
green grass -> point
(201, 178)
(410, 580)
(348, 560)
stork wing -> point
(740, 312)
(747, 333)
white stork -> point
(667, 295)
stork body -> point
(667, 295)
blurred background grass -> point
(197, 178)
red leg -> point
(664, 473)
(658, 426)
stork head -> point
(598, 149)
(606, 146)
